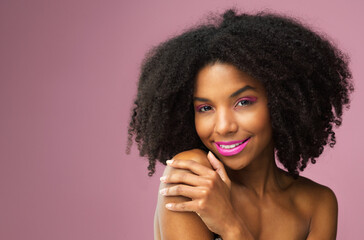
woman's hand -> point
(209, 191)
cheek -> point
(257, 122)
(203, 127)
(263, 125)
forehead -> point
(223, 77)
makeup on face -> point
(245, 101)
(232, 147)
(231, 114)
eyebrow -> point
(234, 94)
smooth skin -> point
(244, 196)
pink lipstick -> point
(232, 147)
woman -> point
(223, 101)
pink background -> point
(68, 74)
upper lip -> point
(232, 142)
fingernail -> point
(169, 162)
(169, 205)
(163, 191)
(163, 178)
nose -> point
(225, 122)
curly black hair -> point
(306, 77)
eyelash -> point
(248, 100)
(199, 108)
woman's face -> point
(232, 116)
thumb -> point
(219, 168)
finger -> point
(191, 165)
(183, 190)
(185, 177)
(189, 206)
(219, 167)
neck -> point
(261, 176)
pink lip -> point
(232, 151)
(231, 142)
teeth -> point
(230, 146)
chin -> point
(235, 162)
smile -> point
(232, 147)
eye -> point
(246, 101)
(203, 108)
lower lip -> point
(232, 151)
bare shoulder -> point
(320, 204)
(180, 225)
(314, 193)
(197, 155)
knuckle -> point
(191, 163)
(182, 176)
(210, 183)
(204, 193)
(182, 206)
(201, 205)
(178, 189)
(182, 163)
